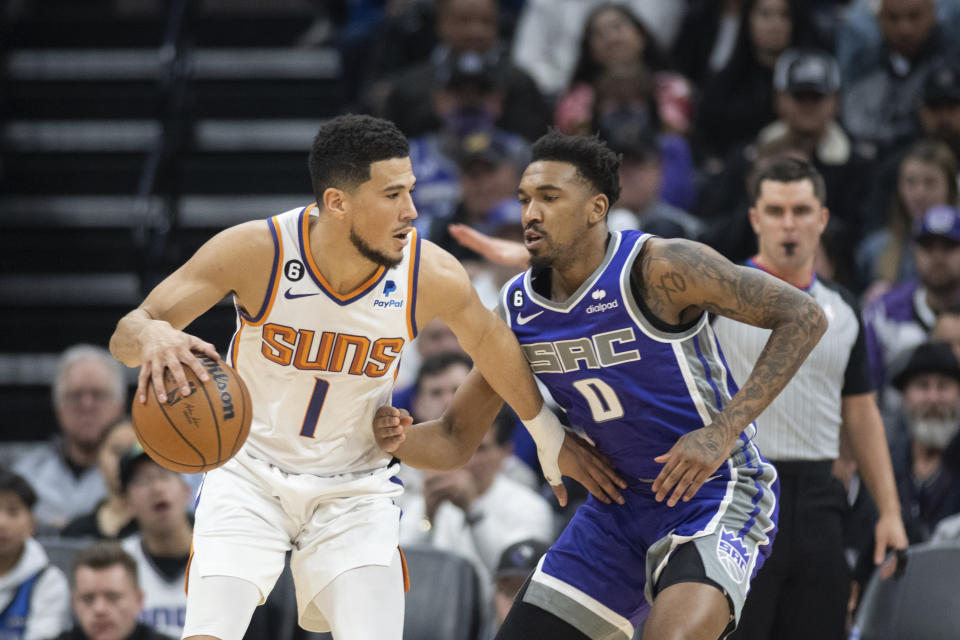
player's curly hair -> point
(595, 162)
(346, 146)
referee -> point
(802, 590)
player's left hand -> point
(689, 463)
(889, 534)
(390, 427)
(582, 462)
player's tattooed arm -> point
(680, 280)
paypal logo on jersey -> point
(600, 307)
(388, 287)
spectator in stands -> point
(516, 563)
(465, 26)
(927, 177)
(34, 596)
(549, 30)
(738, 100)
(947, 328)
(939, 111)
(490, 170)
(939, 116)
(641, 205)
(621, 73)
(886, 80)
(157, 498)
(110, 519)
(106, 598)
(88, 396)
(468, 101)
(807, 89)
(901, 319)
(707, 38)
(478, 511)
(438, 379)
(930, 413)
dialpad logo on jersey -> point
(600, 307)
(733, 555)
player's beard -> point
(371, 254)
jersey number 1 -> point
(603, 400)
(313, 408)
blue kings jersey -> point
(633, 384)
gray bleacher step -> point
(71, 289)
(84, 289)
(119, 136)
(84, 136)
(196, 211)
(204, 64)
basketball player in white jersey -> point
(327, 297)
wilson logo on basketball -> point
(222, 381)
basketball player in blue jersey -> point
(327, 296)
(615, 325)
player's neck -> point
(172, 543)
(800, 276)
(570, 273)
(340, 263)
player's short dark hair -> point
(16, 484)
(346, 146)
(439, 363)
(789, 170)
(103, 555)
(594, 161)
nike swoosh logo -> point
(522, 320)
(294, 296)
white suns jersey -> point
(164, 600)
(319, 364)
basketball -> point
(198, 432)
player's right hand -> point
(165, 348)
(390, 427)
(582, 462)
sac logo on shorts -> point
(733, 555)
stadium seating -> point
(122, 149)
(921, 605)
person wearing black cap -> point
(929, 489)
(903, 317)
(807, 86)
(939, 111)
(516, 563)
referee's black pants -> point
(801, 591)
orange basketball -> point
(198, 432)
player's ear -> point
(334, 201)
(599, 207)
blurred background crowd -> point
(132, 130)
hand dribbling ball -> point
(198, 432)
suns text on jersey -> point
(596, 351)
(303, 349)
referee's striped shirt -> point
(803, 422)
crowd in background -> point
(696, 96)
